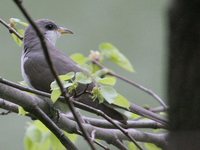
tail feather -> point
(108, 110)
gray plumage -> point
(36, 72)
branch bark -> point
(10, 29)
(28, 101)
(37, 107)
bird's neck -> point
(32, 43)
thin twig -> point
(101, 145)
(98, 112)
(8, 106)
(146, 90)
(53, 71)
(10, 29)
(145, 113)
(119, 145)
(158, 109)
(11, 107)
(5, 113)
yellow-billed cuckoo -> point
(35, 69)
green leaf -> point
(100, 72)
(132, 146)
(63, 79)
(72, 137)
(131, 115)
(67, 76)
(67, 84)
(94, 68)
(55, 143)
(79, 58)
(55, 94)
(34, 133)
(54, 85)
(21, 111)
(17, 40)
(96, 94)
(13, 23)
(121, 101)
(16, 20)
(38, 137)
(109, 93)
(113, 54)
(150, 146)
(108, 80)
(82, 78)
(73, 87)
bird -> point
(37, 74)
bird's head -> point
(50, 30)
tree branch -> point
(53, 71)
(8, 106)
(146, 90)
(134, 108)
(82, 106)
(34, 105)
(130, 124)
(10, 29)
(28, 101)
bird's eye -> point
(50, 26)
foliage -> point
(146, 146)
(111, 53)
(21, 111)
(104, 84)
(14, 23)
(37, 137)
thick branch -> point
(134, 108)
(26, 100)
(36, 106)
(95, 122)
(8, 106)
(130, 124)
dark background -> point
(136, 27)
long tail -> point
(108, 110)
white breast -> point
(25, 77)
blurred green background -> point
(136, 27)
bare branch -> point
(37, 111)
(8, 106)
(146, 113)
(10, 29)
(158, 109)
(5, 113)
(101, 145)
(120, 145)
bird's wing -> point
(36, 67)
